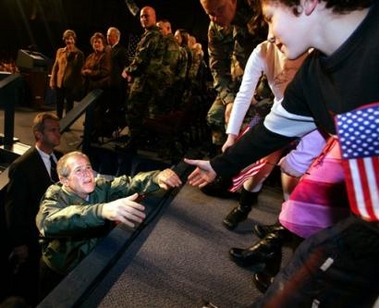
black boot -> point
(240, 213)
(262, 230)
(266, 251)
(262, 281)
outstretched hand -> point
(125, 210)
(229, 142)
(202, 175)
(168, 178)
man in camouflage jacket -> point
(231, 39)
(148, 74)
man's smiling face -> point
(81, 180)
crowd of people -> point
(301, 53)
(163, 72)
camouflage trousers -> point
(216, 120)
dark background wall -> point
(41, 22)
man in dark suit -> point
(118, 85)
(29, 177)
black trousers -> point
(62, 95)
(337, 267)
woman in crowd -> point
(97, 71)
(66, 76)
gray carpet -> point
(185, 257)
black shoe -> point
(236, 216)
(267, 250)
(262, 281)
(219, 188)
(262, 230)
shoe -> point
(262, 230)
(267, 250)
(240, 213)
(236, 216)
(262, 281)
(219, 188)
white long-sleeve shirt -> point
(266, 58)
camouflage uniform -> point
(181, 74)
(229, 49)
(172, 55)
(189, 61)
(186, 92)
(182, 65)
(168, 94)
(150, 75)
(193, 74)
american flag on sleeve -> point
(358, 132)
(249, 171)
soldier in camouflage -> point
(148, 74)
(182, 71)
(233, 33)
(197, 61)
(170, 95)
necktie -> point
(53, 170)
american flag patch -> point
(358, 133)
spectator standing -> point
(182, 36)
(97, 73)
(194, 73)
(66, 76)
(170, 95)
(148, 76)
(118, 85)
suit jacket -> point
(28, 181)
(119, 56)
(101, 66)
(67, 69)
